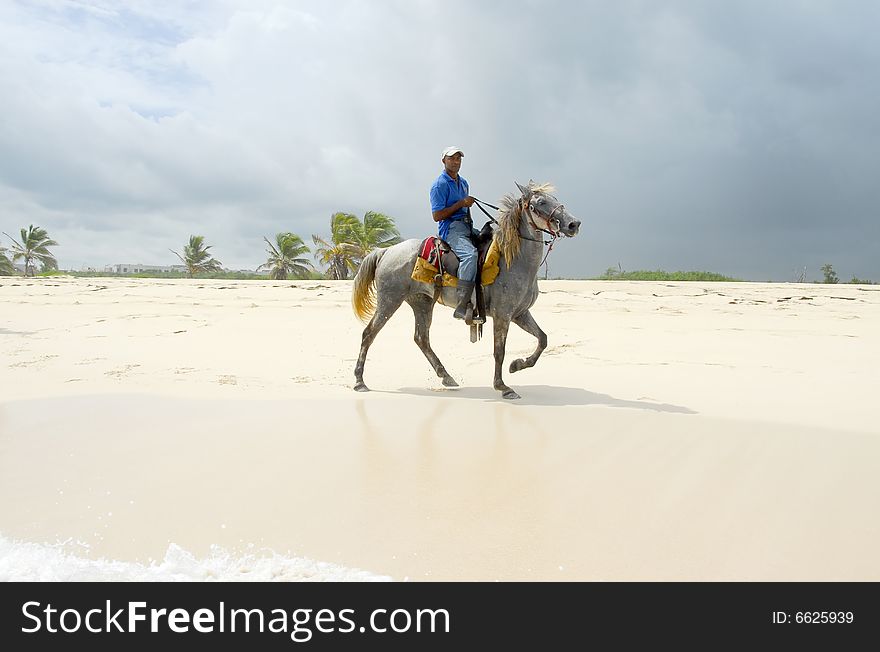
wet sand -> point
(677, 431)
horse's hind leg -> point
(385, 309)
(423, 309)
(529, 325)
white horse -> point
(384, 281)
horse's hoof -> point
(510, 395)
(449, 382)
(361, 387)
(517, 365)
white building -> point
(138, 268)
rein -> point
(480, 203)
(554, 234)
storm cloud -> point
(737, 137)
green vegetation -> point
(340, 255)
(284, 258)
(830, 274)
(351, 240)
(612, 274)
(6, 268)
(377, 231)
(197, 259)
(222, 274)
(32, 248)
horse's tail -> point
(363, 295)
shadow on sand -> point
(3, 331)
(545, 395)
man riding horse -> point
(386, 279)
(450, 202)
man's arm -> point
(442, 214)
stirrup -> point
(469, 318)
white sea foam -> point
(32, 562)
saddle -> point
(438, 264)
(440, 259)
(437, 258)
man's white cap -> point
(449, 151)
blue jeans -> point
(459, 240)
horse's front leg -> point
(529, 325)
(501, 325)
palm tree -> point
(196, 257)
(283, 257)
(340, 255)
(377, 232)
(352, 240)
(34, 246)
(6, 267)
(340, 258)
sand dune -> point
(671, 431)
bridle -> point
(529, 215)
(549, 219)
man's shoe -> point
(463, 295)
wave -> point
(35, 562)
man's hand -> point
(441, 215)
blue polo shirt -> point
(444, 193)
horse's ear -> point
(525, 191)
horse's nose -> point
(575, 226)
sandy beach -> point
(670, 431)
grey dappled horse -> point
(384, 281)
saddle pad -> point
(426, 268)
(424, 272)
(428, 250)
(492, 264)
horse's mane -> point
(509, 218)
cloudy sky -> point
(741, 137)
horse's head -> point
(546, 211)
